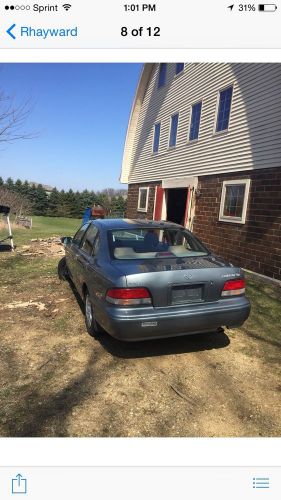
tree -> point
(40, 201)
(67, 204)
(18, 186)
(118, 206)
(9, 183)
(12, 119)
(25, 189)
(53, 205)
(18, 204)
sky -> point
(79, 117)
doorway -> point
(176, 205)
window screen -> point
(143, 194)
(234, 200)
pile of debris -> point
(50, 247)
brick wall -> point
(132, 202)
(255, 245)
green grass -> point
(265, 318)
(44, 227)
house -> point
(47, 189)
(203, 149)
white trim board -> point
(180, 182)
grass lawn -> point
(44, 227)
(265, 318)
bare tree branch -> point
(13, 118)
(17, 203)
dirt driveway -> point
(55, 380)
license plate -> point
(186, 294)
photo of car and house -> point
(150, 306)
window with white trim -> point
(143, 199)
(224, 108)
(234, 201)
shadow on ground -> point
(162, 347)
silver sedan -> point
(145, 280)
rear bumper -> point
(149, 323)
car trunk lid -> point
(174, 282)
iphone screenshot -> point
(140, 250)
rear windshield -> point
(154, 243)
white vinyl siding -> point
(253, 139)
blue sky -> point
(80, 113)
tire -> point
(63, 273)
(93, 327)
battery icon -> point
(267, 7)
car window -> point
(96, 246)
(89, 239)
(79, 235)
(154, 243)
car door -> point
(72, 250)
(84, 257)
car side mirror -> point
(66, 240)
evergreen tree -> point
(40, 203)
(18, 186)
(70, 204)
(54, 202)
(25, 188)
(118, 205)
(67, 204)
(9, 183)
(61, 208)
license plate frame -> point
(186, 294)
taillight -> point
(233, 287)
(128, 296)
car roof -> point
(109, 224)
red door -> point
(158, 203)
(187, 207)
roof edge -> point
(133, 122)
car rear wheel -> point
(63, 270)
(93, 327)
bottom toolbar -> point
(139, 483)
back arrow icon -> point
(9, 31)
